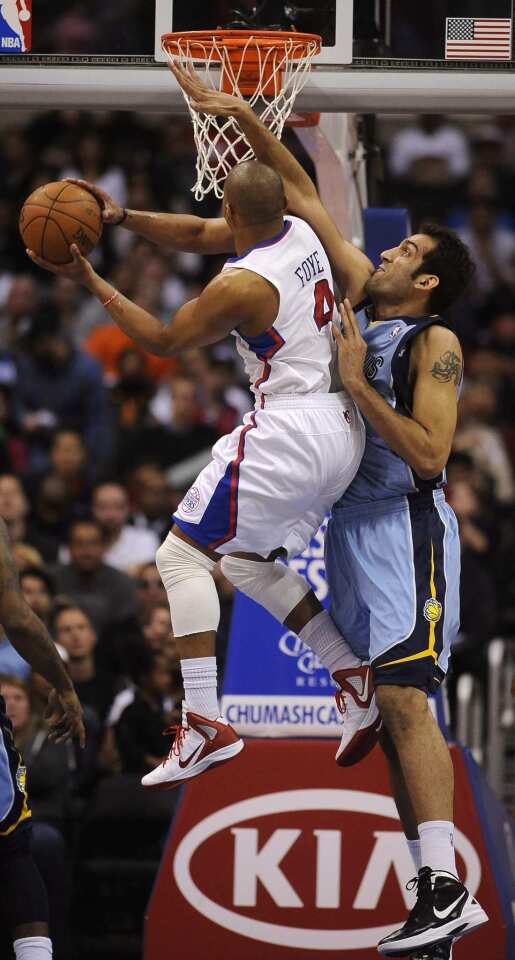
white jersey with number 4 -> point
(296, 354)
(274, 478)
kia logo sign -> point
(252, 863)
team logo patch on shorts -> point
(432, 610)
(21, 779)
(191, 500)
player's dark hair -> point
(450, 261)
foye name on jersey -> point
(309, 268)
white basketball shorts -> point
(273, 479)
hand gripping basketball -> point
(79, 269)
(112, 212)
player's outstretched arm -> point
(351, 266)
(172, 231)
(30, 638)
(233, 298)
(423, 439)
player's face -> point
(393, 281)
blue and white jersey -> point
(296, 355)
(383, 474)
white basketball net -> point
(220, 142)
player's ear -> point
(228, 214)
(426, 281)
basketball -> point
(57, 215)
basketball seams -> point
(65, 238)
(88, 226)
(43, 216)
(53, 199)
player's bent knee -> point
(275, 586)
(186, 575)
(400, 707)
(24, 898)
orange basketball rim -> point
(267, 67)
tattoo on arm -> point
(447, 369)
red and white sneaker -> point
(198, 743)
(356, 702)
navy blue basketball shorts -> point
(393, 569)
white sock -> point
(416, 852)
(437, 845)
(33, 948)
(324, 638)
(200, 691)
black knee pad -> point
(24, 898)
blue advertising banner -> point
(274, 685)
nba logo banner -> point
(274, 685)
(15, 26)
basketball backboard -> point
(377, 55)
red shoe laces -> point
(340, 701)
(178, 731)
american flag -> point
(478, 38)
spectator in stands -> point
(105, 593)
(150, 586)
(61, 386)
(74, 631)
(157, 626)
(184, 436)
(125, 547)
(13, 448)
(492, 247)
(139, 731)
(52, 512)
(68, 460)
(429, 160)
(431, 138)
(38, 589)
(482, 440)
(149, 496)
(91, 163)
(495, 360)
(14, 507)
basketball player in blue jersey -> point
(392, 545)
(23, 899)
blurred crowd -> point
(98, 442)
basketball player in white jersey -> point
(273, 479)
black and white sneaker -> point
(444, 909)
(439, 951)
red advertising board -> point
(281, 854)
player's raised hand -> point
(78, 268)
(203, 98)
(64, 716)
(112, 212)
(352, 348)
